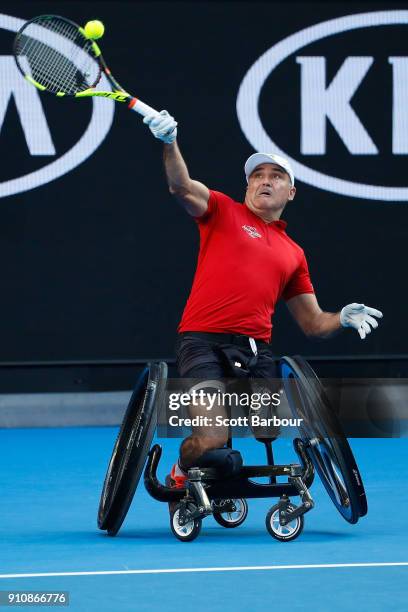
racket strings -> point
(46, 65)
(56, 55)
(52, 59)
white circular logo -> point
(41, 143)
(253, 82)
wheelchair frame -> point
(322, 447)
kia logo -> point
(30, 107)
(322, 102)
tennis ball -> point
(94, 29)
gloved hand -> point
(162, 126)
(360, 317)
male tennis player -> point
(246, 263)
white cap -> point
(267, 158)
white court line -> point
(186, 570)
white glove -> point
(162, 126)
(360, 317)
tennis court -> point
(51, 483)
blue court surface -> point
(51, 481)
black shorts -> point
(214, 356)
(207, 358)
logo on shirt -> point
(252, 231)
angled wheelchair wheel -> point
(131, 448)
(325, 441)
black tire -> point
(325, 441)
(283, 533)
(187, 532)
(231, 518)
(131, 448)
(336, 427)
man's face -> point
(269, 188)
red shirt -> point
(244, 266)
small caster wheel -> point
(235, 513)
(190, 530)
(284, 533)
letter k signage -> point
(319, 103)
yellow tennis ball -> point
(94, 29)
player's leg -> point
(199, 363)
(208, 411)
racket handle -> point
(140, 107)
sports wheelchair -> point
(321, 447)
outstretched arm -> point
(191, 194)
(314, 322)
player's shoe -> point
(175, 480)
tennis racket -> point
(55, 55)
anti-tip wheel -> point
(234, 513)
(287, 532)
(190, 530)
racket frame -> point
(118, 94)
